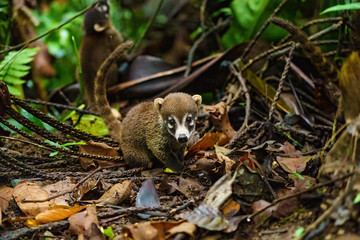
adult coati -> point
(100, 40)
(151, 130)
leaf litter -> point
(267, 181)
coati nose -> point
(183, 138)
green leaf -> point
(349, 6)
(72, 144)
(299, 232)
(14, 91)
(247, 15)
(14, 66)
(108, 232)
(357, 198)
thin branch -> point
(199, 40)
(247, 95)
(149, 24)
(262, 29)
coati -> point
(151, 130)
(100, 40)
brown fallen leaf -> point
(25, 190)
(158, 230)
(294, 164)
(220, 119)
(89, 184)
(57, 213)
(60, 187)
(187, 186)
(207, 141)
(262, 217)
(96, 148)
(117, 193)
(5, 196)
(222, 158)
(184, 227)
(230, 209)
(86, 224)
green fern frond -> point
(14, 67)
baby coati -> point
(100, 40)
(159, 130)
(151, 130)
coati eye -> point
(171, 122)
(188, 119)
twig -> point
(58, 105)
(202, 14)
(313, 22)
(247, 95)
(68, 191)
(262, 29)
(281, 82)
(199, 40)
(50, 31)
(149, 24)
(298, 194)
(334, 205)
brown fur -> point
(145, 136)
(100, 40)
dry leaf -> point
(5, 196)
(143, 231)
(84, 188)
(31, 191)
(96, 148)
(117, 193)
(184, 227)
(231, 208)
(86, 224)
(294, 164)
(206, 217)
(220, 119)
(222, 158)
(60, 187)
(57, 213)
(207, 141)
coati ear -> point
(197, 99)
(158, 103)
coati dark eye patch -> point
(188, 119)
(171, 123)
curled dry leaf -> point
(31, 191)
(220, 119)
(57, 213)
(117, 193)
(86, 224)
(207, 141)
(220, 191)
(5, 196)
(96, 148)
(84, 188)
(60, 187)
(222, 158)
